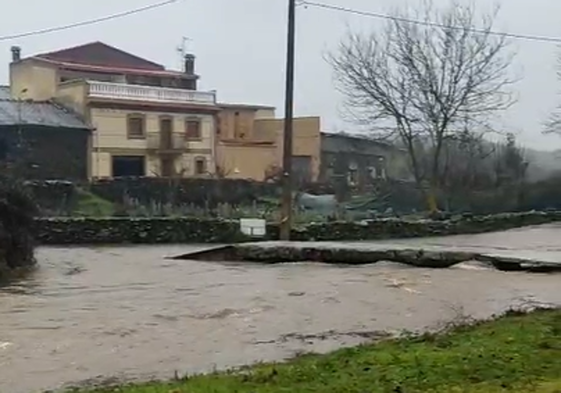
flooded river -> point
(128, 312)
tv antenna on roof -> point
(182, 50)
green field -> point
(515, 353)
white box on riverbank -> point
(254, 227)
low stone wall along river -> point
(126, 230)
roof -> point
(345, 143)
(41, 113)
(108, 69)
(245, 106)
(5, 93)
(100, 57)
(100, 54)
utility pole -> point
(286, 201)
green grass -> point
(91, 205)
(515, 353)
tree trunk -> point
(432, 203)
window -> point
(353, 177)
(143, 80)
(167, 167)
(193, 129)
(136, 126)
(200, 166)
(301, 169)
(166, 132)
(189, 84)
(238, 134)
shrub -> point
(17, 213)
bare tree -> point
(466, 166)
(510, 163)
(422, 83)
(553, 125)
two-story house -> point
(147, 120)
(250, 144)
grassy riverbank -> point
(515, 353)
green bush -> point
(17, 213)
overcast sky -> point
(240, 47)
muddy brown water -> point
(127, 312)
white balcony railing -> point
(124, 91)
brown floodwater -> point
(90, 313)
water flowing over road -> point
(128, 312)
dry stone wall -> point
(127, 230)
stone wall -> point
(43, 153)
(123, 230)
(193, 230)
(396, 228)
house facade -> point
(42, 141)
(250, 144)
(146, 120)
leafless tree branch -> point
(553, 124)
(425, 81)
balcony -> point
(174, 144)
(122, 91)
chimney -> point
(189, 67)
(16, 53)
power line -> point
(88, 22)
(330, 7)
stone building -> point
(357, 162)
(42, 140)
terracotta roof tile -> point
(101, 54)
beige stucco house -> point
(250, 143)
(148, 121)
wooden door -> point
(167, 167)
